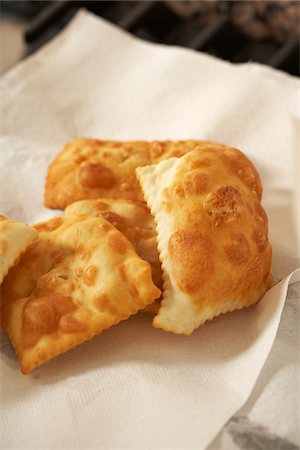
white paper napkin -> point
(133, 386)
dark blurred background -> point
(262, 31)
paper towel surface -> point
(133, 386)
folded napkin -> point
(134, 386)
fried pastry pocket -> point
(90, 168)
(212, 235)
(79, 278)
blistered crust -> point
(89, 168)
(80, 277)
(212, 235)
(133, 219)
(191, 255)
(15, 238)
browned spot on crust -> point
(200, 162)
(195, 183)
(116, 144)
(178, 190)
(120, 269)
(191, 255)
(95, 176)
(112, 309)
(101, 302)
(114, 218)
(133, 290)
(68, 324)
(118, 243)
(177, 153)
(3, 246)
(224, 204)
(89, 275)
(80, 159)
(237, 250)
(41, 316)
(156, 150)
(105, 226)
(50, 225)
(239, 164)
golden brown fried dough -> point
(133, 219)
(15, 238)
(212, 235)
(89, 169)
(79, 278)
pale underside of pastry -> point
(79, 278)
(212, 235)
(89, 168)
(15, 238)
(134, 220)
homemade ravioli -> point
(212, 235)
(80, 277)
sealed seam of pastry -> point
(37, 356)
(148, 187)
(219, 186)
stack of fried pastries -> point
(175, 228)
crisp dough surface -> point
(133, 219)
(15, 238)
(80, 277)
(212, 235)
(89, 169)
